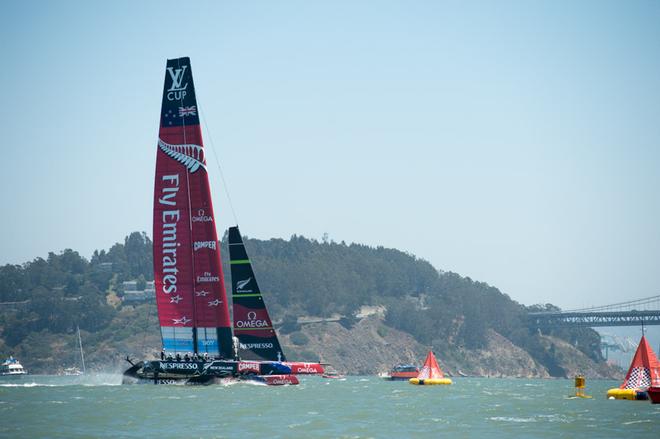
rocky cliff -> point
(370, 347)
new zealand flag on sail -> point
(179, 103)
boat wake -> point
(100, 380)
(27, 385)
(511, 419)
(641, 421)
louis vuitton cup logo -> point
(176, 90)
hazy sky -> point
(517, 143)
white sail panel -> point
(177, 339)
(207, 341)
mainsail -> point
(430, 370)
(644, 369)
(190, 292)
(252, 324)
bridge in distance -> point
(632, 313)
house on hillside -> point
(134, 296)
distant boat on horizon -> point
(400, 372)
(75, 371)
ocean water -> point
(358, 407)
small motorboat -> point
(402, 372)
(332, 374)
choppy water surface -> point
(359, 407)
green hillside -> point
(42, 301)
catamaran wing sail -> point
(252, 324)
(190, 292)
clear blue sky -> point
(517, 143)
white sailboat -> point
(74, 371)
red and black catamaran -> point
(196, 331)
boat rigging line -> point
(225, 187)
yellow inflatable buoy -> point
(429, 381)
(431, 374)
(628, 394)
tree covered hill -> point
(42, 301)
(439, 309)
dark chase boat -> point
(198, 346)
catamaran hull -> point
(128, 379)
(301, 368)
(270, 380)
(208, 372)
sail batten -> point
(190, 292)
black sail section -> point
(252, 324)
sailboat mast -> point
(190, 228)
(82, 355)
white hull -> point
(11, 368)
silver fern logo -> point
(242, 284)
(189, 155)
